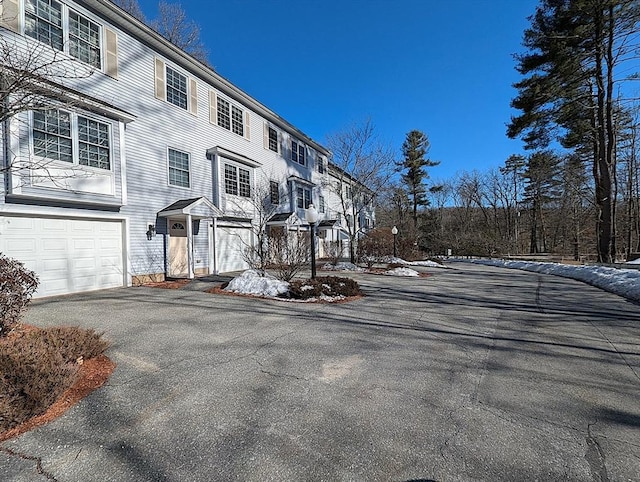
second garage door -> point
(231, 246)
(68, 255)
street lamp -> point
(311, 215)
(394, 231)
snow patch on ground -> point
(623, 282)
(252, 283)
(402, 272)
(426, 263)
(342, 266)
(635, 261)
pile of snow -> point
(252, 283)
(635, 261)
(623, 282)
(402, 272)
(342, 266)
(427, 263)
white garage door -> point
(68, 255)
(230, 247)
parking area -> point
(473, 373)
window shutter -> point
(161, 89)
(247, 125)
(10, 15)
(111, 56)
(193, 90)
(213, 107)
(265, 136)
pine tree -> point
(414, 150)
(575, 49)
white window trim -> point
(304, 149)
(66, 44)
(161, 86)
(237, 167)
(214, 97)
(75, 144)
(169, 167)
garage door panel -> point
(67, 255)
(232, 242)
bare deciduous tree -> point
(174, 25)
(362, 166)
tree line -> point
(576, 191)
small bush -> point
(37, 367)
(332, 286)
(17, 285)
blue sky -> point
(444, 67)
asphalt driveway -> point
(475, 373)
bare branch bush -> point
(289, 252)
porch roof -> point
(198, 208)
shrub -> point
(17, 285)
(37, 367)
(323, 286)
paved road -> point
(475, 373)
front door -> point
(178, 259)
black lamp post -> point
(312, 218)
(394, 231)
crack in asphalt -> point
(595, 457)
(620, 354)
(33, 458)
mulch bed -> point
(93, 373)
(219, 290)
(168, 285)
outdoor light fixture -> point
(151, 231)
(394, 231)
(311, 215)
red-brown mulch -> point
(169, 285)
(218, 290)
(93, 373)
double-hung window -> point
(321, 207)
(84, 39)
(64, 29)
(320, 164)
(298, 153)
(230, 117)
(274, 192)
(237, 181)
(43, 22)
(63, 136)
(176, 88)
(303, 198)
(273, 139)
(178, 168)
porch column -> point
(190, 273)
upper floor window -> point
(303, 197)
(321, 207)
(230, 117)
(274, 192)
(54, 137)
(48, 22)
(273, 139)
(298, 153)
(348, 193)
(178, 168)
(237, 181)
(43, 21)
(84, 39)
(320, 164)
(176, 88)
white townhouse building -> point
(144, 162)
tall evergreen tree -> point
(414, 150)
(575, 50)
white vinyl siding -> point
(178, 168)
